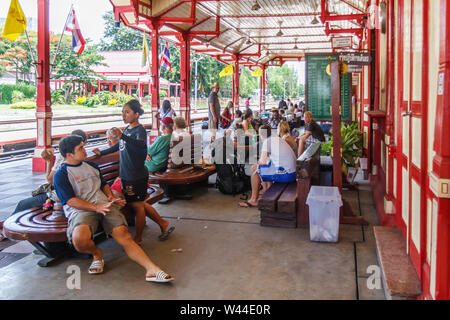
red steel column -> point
(262, 88)
(185, 71)
(441, 161)
(43, 101)
(236, 82)
(155, 80)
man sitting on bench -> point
(313, 132)
(276, 164)
(87, 201)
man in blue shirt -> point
(88, 201)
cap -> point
(167, 121)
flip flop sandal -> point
(165, 234)
(96, 265)
(249, 205)
(161, 276)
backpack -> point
(231, 179)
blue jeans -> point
(31, 202)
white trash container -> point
(324, 204)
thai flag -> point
(164, 61)
(72, 26)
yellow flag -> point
(145, 51)
(257, 73)
(226, 71)
(16, 23)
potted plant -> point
(351, 139)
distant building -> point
(124, 72)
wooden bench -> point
(278, 205)
(184, 169)
(46, 229)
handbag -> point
(43, 188)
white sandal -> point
(161, 276)
(96, 265)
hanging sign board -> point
(357, 58)
(276, 63)
(318, 88)
(341, 42)
(355, 69)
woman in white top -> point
(283, 132)
(166, 111)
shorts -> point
(212, 125)
(269, 173)
(135, 191)
(112, 220)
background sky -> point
(89, 14)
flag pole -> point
(60, 38)
(32, 55)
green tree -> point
(76, 67)
(119, 39)
(282, 80)
(247, 83)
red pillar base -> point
(39, 165)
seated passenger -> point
(87, 202)
(283, 132)
(274, 119)
(53, 164)
(225, 117)
(277, 164)
(313, 133)
(179, 128)
(158, 152)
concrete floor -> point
(226, 255)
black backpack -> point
(231, 177)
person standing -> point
(213, 110)
(133, 172)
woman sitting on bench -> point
(277, 164)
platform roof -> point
(279, 28)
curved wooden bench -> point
(181, 176)
(40, 225)
(46, 229)
(179, 172)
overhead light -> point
(248, 41)
(256, 6)
(315, 21)
(280, 33)
(295, 47)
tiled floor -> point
(233, 241)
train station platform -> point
(226, 254)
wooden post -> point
(185, 85)
(346, 215)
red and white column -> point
(185, 85)
(154, 133)
(43, 101)
(440, 177)
(236, 82)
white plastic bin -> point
(324, 204)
